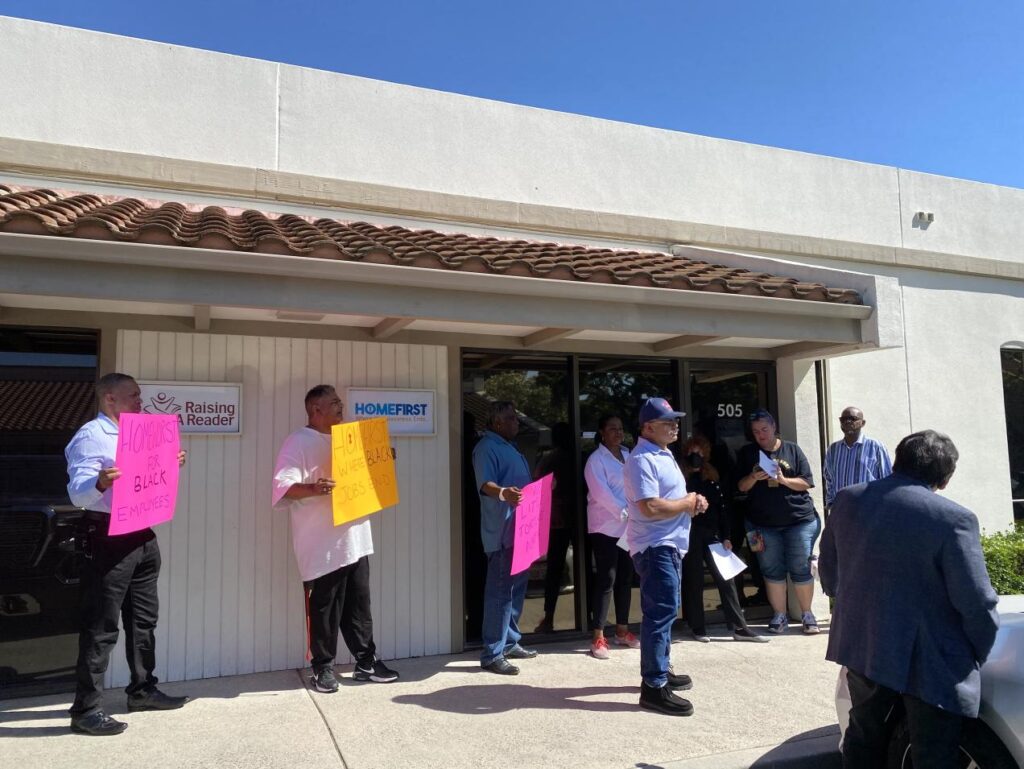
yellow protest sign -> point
(362, 468)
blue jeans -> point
(659, 570)
(787, 549)
(503, 603)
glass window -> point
(47, 379)
(1013, 395)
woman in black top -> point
(712, 526)
(781, 518)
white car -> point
(994, 740)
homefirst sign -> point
(201, 407)
(409, 412)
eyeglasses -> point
(850, 419)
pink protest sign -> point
(533, 524)
(147, 456)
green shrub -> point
(1004, 557)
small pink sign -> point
(533, 524)
(147, 456)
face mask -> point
(695, 460)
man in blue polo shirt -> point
(501, 473)
(658, 534)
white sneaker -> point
(629, 640)
(599, 649)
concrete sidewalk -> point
(757, 705)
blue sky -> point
(931, 86)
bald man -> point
(855, 459)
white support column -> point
(798, 422)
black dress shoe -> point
(155, 699)
(502, 667)
(680, 681)
(517, 652)
(97, 724)
(664, 700)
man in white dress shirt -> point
(119, 573)
(333, 560)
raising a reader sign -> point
(202, 408)
(147, 456)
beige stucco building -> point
(933, 265)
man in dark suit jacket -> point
(914, 615)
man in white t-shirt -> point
(333, 560)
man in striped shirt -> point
(855, 459)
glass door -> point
(559, 400)
(720, 396)
(539, 386)
(617, 387)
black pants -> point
(558, 548)
(693, 584)
(340, 600)
(934, 733)
(119, 579)
(614, 574)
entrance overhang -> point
(395, 302)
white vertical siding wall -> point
(230, 596)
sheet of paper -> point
(533, 524)
(768, 464)
(728, 563)
(147, 456)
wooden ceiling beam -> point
(546, 335)
(390, 326)
(677, 343)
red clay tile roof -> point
(26, 405)
(105, 217)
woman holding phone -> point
(781, 516)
